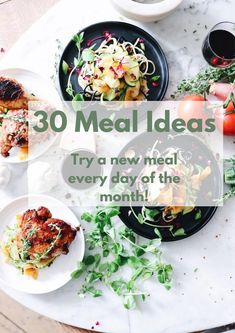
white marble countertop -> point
(200, 299)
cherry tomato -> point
(225, 119)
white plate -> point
(58, 274)
(43, 89)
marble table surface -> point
(199, 299)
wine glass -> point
(219, 45)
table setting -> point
(197, 290)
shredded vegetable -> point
(116, 70)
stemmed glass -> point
(219, 45)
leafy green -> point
(110, 247)
(229, 194)
(151, 216)
(78, 62)
(200, 84)
(88, 55)
(179, 232)
(78, 39)
(158, 233)
(229, 178)
(89, 260)
(198, 214)
(155, 78)
(65, 67)
(78, 272)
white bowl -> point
(146, 12)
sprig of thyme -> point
(200, 84)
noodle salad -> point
(116, 70)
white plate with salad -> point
(41, 242)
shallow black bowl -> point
(127, 32)
(188, 222)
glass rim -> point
(212, 29)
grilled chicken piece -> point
(13, 95)
(44, 234)
(14, 131)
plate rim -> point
(45, 291)
(211, 212)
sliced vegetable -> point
(110, 95)
(88, 55)
(132, 76)
(133, 92)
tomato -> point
(225, 118)
(192, 107)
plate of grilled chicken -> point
(21, 93)
(41, 243)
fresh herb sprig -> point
(229, 194)
(151, 217)
(110, 248)
(200, 84)
(78, 62)
(20, 255)
(229, 178)
(19, 119)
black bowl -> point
(127, 32)
(188, 222)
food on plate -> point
(116, 70)
(178, 198)
(15, 107)
(14, 103)
(12, 95)
(14, 131)
(190, 173)
(37, 240)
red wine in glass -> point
(219, 46)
